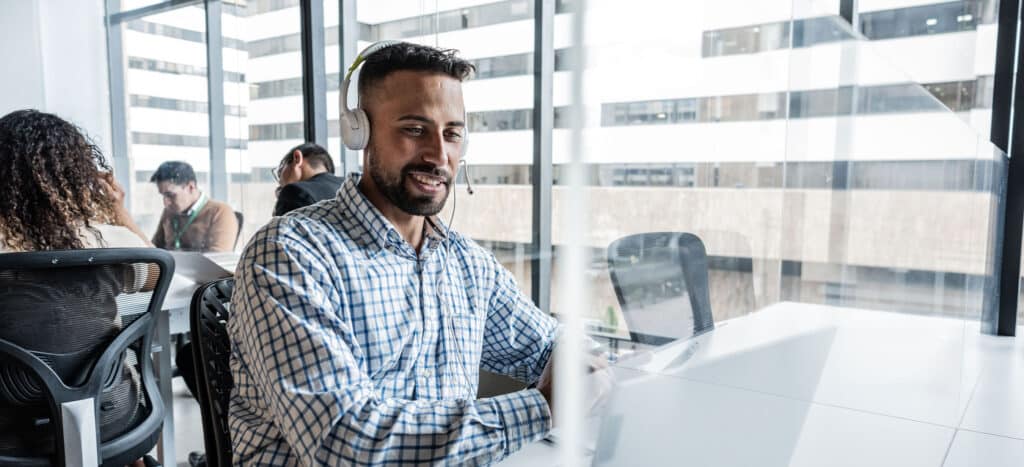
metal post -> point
(215, 97)
(314, 78)
(118, 105)
(348, 34)
(1009, 209)
(541, 170)
(848, 11)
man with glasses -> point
(191, 220)
(304, 176)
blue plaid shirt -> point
(348, 347)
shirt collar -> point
(199, 202)
(377, 227)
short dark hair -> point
(414, 57)
(176, 172)
(312, 152)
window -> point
(939, 18)
(165, 91)
(499, 112)
(923, 20)
(180, 105)
(729, 166)
(272, 95)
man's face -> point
(178, 198)
(416, 139)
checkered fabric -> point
(348, 347)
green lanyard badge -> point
(192, 217)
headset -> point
(355, 133)
(355, 124)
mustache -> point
(429, 169)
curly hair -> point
(51, 188)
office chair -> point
(240, 218)
(76, 379)
(661, 283)
(211, 351)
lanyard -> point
(192, 217)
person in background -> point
(305, 176)
(191, 220)
(59, 194)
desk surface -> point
(809, 385)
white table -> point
(812, 385)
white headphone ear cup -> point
(465, 146)
(355, 129)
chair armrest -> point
(78, 423)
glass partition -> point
(850, 171)
(168, 113)
(165, 90)
(843, 188)
(271, 62)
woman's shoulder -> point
(110, 236)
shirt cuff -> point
(526, 417)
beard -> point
(394, 188)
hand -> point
(598, 382)
(122, 217)
(110, 186)
(546, 382)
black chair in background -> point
(211, 351)
(661, 283)
(76, 379)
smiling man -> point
(360, 323)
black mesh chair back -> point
(76, 378)
(211, 351)
(661, 283)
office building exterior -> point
(819, 162)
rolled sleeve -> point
(526, 416)
(519, 336)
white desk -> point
(810, 385)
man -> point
(360, 324)
(305, 176)
(191, 220)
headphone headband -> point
(355, 124)
(360, 58)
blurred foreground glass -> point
(271, 62)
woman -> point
(58, 194)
